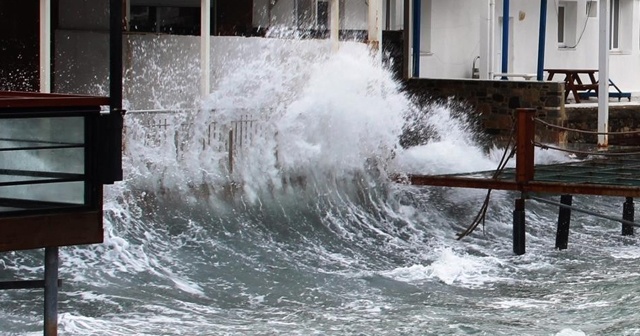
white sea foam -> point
(452, 268)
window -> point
(567, 23)
(561, 20)
(169, 20)
(614, 25)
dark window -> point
(168, 20)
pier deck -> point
(610, 176)
(606, 173)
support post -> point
(115, 92)
(416, 37)
(375, 25)
(205, 47)
(51, 291)
(406, 35)
(45, 46)
(628, 214)
(603, 74)
(542, 35)
(519, 227)
(564, 221)
(334, 31)
(525, 144)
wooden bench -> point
(593, 92)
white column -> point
(375, 24)
(603, 73)
(45, 45)
(205, 47)
(335, 24)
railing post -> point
(525, 145)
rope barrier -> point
(573, 151)
(482, 213)
(583, 131)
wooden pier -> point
(606, 173)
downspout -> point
(416, 37)
(492, 35)
(542, 38)
(505, 37)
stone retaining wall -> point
(496, 101)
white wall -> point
(458, 34)
(455, 32)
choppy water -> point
(316, 239)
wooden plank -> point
(533, 186)
(14, 99)
(31, 232)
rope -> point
(572, 151)
(584, 131)
(482, 213)
(588, 212)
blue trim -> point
(542, 38)
(416, 37)
(505, 37)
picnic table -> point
(573, 82)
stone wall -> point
(497, 100)
(622, 118)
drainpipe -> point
(406, 37)
(541, 38)
(505, 37)
(205, 47)
(416, 37)
(45, 46)
(603, 74)
(492, 35)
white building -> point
(455, 35)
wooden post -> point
(519, 227)
(564, 220)
(627, 214)
(525, 145)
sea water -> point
(306, 234)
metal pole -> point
(406, 35)
(205, 47)
(388, 16)
(542, 38)
(603, 74)
(416, 37)
(45, 46)
(51, 291)
(505, 37)
(115, 90)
